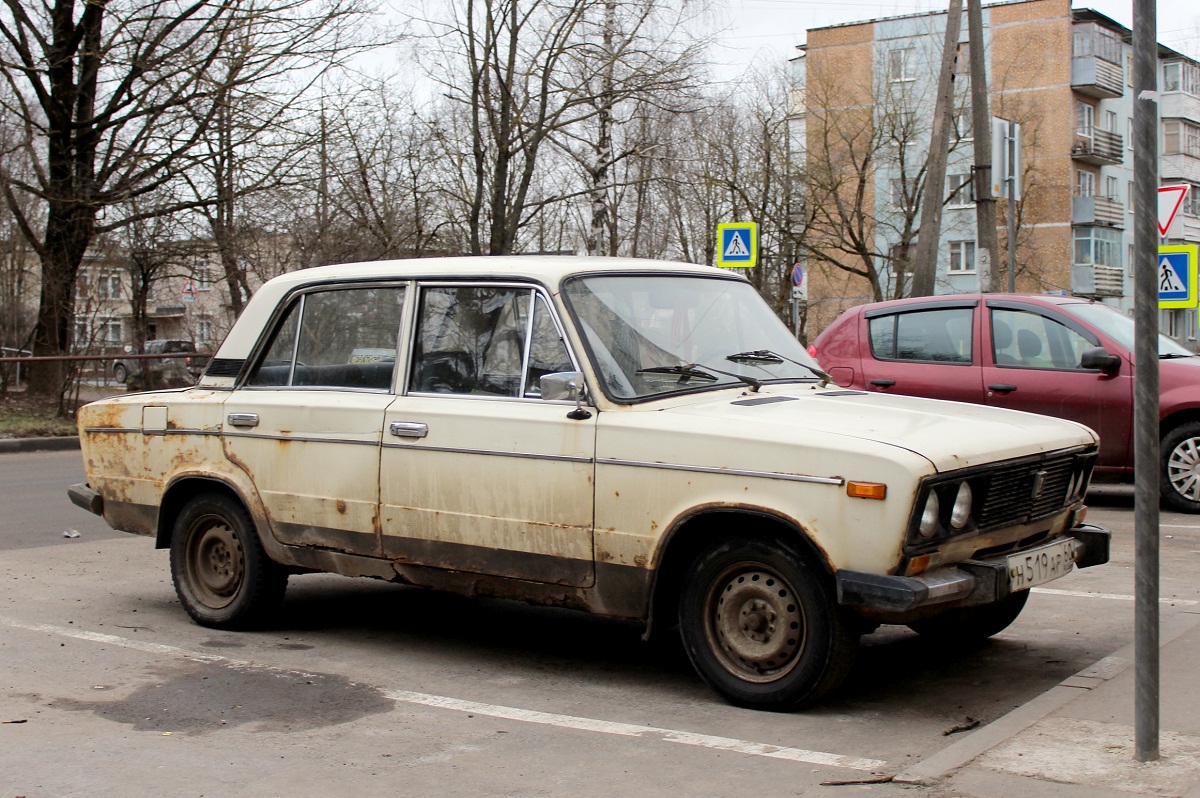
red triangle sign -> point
(1169, 200)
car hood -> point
(948, 434)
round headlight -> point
(961, 513)
(929, 517)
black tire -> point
(761, 625)
(222, 576)
(120, 373)
(1179, 468)
(968, 624)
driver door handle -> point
(1002, 387)
(242, 419)
(883, 383)
(408, 429)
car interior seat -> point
(1002, 339)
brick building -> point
(867, 89)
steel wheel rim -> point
(753, 623)
(1183, 469)
(215, 564)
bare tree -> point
(112, 99)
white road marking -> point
(1113, 596)
(490, 710)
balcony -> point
(1097, 77)
(1100, 148)
(1097, 281)
(1097, 211)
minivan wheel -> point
(761, 625)
(120, 372)
(222, 576)
(1180, 472)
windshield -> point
(650, 335)
(1119, 327)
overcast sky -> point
(766, 30)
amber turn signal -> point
(866, 490)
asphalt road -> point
(374, 689)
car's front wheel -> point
(222, 576)
(1180, 467)
(120, 373)
(761, 624)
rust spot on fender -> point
(640, 561)
(653, 525)
(341, 506)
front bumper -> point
(965, 583)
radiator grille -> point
(1009, 492)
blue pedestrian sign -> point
(1177, 276)
(737, 245)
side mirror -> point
(565, 385)
(1099, 359)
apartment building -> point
(1065, 75)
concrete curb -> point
(959, 754)
(63, 444)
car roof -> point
(547, 269)
(1047, 300)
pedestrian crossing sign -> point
(737, 245)
(1177, 276)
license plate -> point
(1043, 564)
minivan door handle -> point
(1002, 387)
(242, 419)
(883, 383)
(408, 429)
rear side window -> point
(932, 336)
(335, 339)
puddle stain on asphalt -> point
(202, 698)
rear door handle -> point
(408, 429)
(242, 419)
(1002, 387)
(883, 383)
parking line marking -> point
(491, 710)
(1113, 596)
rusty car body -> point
(639, 439)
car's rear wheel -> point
(120, 373)
(1180, 468)
(973, 623)
(222, 576)
(761, 624)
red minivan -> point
(1056, 355)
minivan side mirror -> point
(1099, 359)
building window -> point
(1129, 133)
(204, 330)
(1094, 40)
(202, 277)
(1085, 183)
(1180, 76)
(108, 285)
(1112, 189)
(960, 189)
(1097, 246)
(1085, 119)
(899, 65)
(1191, 202)
(1181, 138)
(962, 257)
(962, 124)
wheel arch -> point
(696, 531)
(183, 489)
(1169, 422)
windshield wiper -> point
(700, 372)
(757, 356)
(1172, 355)
(685, 371)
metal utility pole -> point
(1145, 390)
(925, 253)
(986, 246)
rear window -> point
(933, 336)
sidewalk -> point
(1077, 739)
